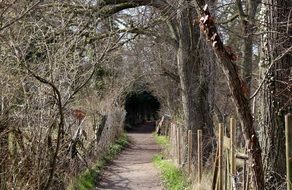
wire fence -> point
(230, 165)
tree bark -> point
(241, 101)
(193, 76)
(274, 96)
(247, 23)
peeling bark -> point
(235, 84)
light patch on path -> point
(133, 169)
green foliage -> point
(116, 148)
(87, 179)
(172, 177)
(162, 140)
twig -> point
(268, 70)
(20, 17)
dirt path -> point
(133, 169)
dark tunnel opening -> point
(142, 111)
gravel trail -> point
(133, 169)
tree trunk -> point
(191, 67)
(274, 97)
(248, 26)
(193, 77)
(239, 97)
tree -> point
(46, 60)
(275, 87)
(247, 20)
(240, 98)
(190, 57)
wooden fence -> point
(288, 135)
(227, 158)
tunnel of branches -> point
(142, 108)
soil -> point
(133, 169)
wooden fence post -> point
(244, 175)
(288, 134)
(175, 143)
(200, 157)
(179, 145)
(220, 160)
(232, 150)
(171, 140)
(190, 150)
(215, 172)
(169, 132)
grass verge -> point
(161, 140)
(87, 179)
(172, 177)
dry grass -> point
(206, 183)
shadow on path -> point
(133, 169)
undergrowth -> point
(87, 180)
(162, 140)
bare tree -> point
(274, 87)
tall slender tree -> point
(275, 83)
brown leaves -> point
(207, 26)
(78, 114)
